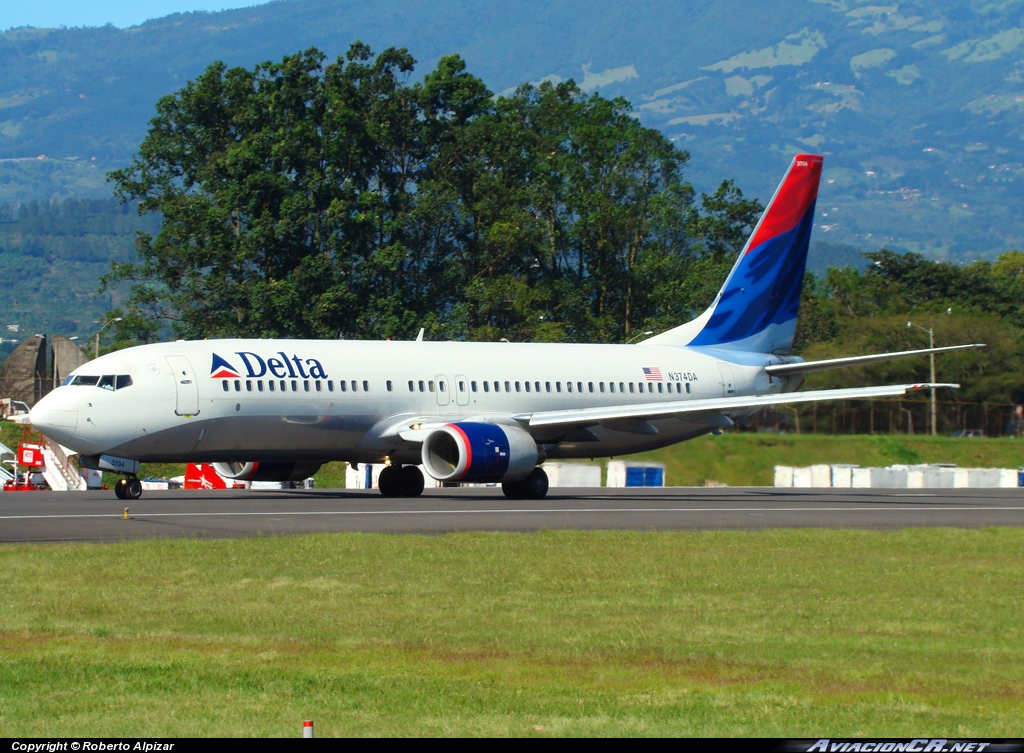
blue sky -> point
(121, 13)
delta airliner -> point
(466, 412)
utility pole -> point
(931, 360)
(105, 324)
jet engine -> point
(267, 471)
(479, 452)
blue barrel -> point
(1020, 478)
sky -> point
(121, 13)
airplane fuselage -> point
(302, 400)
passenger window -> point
(388, 384)
(497, 387)
(355, 387)
(440, 386)
(622, 387)
(611, 386)
(320, 386)
(342, 385)
(295, 385)
(271, 384)
(106, 383)
(305, 385)
(259, 385)
(650, 386)
(284, 386)
(473, 386)
(579, 386)
(421, 385)
(507, 387)
(330, 385)
(248, 385)
(547, 386)
(123, 380)
(366, 386)
(411, 387)
(591, 386)
(601, 386)
(687, 388)
(631, 387)
(238, 386)
(568, 386)
(661, 388)
(517, 386)
(536, 386)
(527, 385)
(224, 384)
(430, 385)
(462, 386)
(558, 386)
(487, 386)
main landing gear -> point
(534, 486)
(400, 481)
(128, 487)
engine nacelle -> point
(479, 452)
(267, 471)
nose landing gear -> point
(128, 487)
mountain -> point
(918, 106)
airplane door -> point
(461, 386)
(728, 383)
(443, 391)
(185, 385)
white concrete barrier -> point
(802, 478)
(842, 476)
(784, 475)
(573, 475)
(821, 476)
(860, 478)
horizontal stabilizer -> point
(723, 404)
(808, 367)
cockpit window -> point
(107, 381)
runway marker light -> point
(126, 513)
(307, 728)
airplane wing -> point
(720, 404)
(808, 367)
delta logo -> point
(256, 366)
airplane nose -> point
(56, 415)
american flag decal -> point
(652, 373)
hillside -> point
(917, 105)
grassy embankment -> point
(748, 459)
(778, 633)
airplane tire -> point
(133, 488)
(535, 486)
(513, 489)
(119, 488)
(389, 482)
(412, 481)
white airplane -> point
(468, 412)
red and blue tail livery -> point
(756, 308)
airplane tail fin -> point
(757, 306)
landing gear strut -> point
(400, 481)
(534, 486)
(128, 487)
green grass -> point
(778, 633)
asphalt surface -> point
(99, 516)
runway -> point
(99, 516)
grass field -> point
(778, 633)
